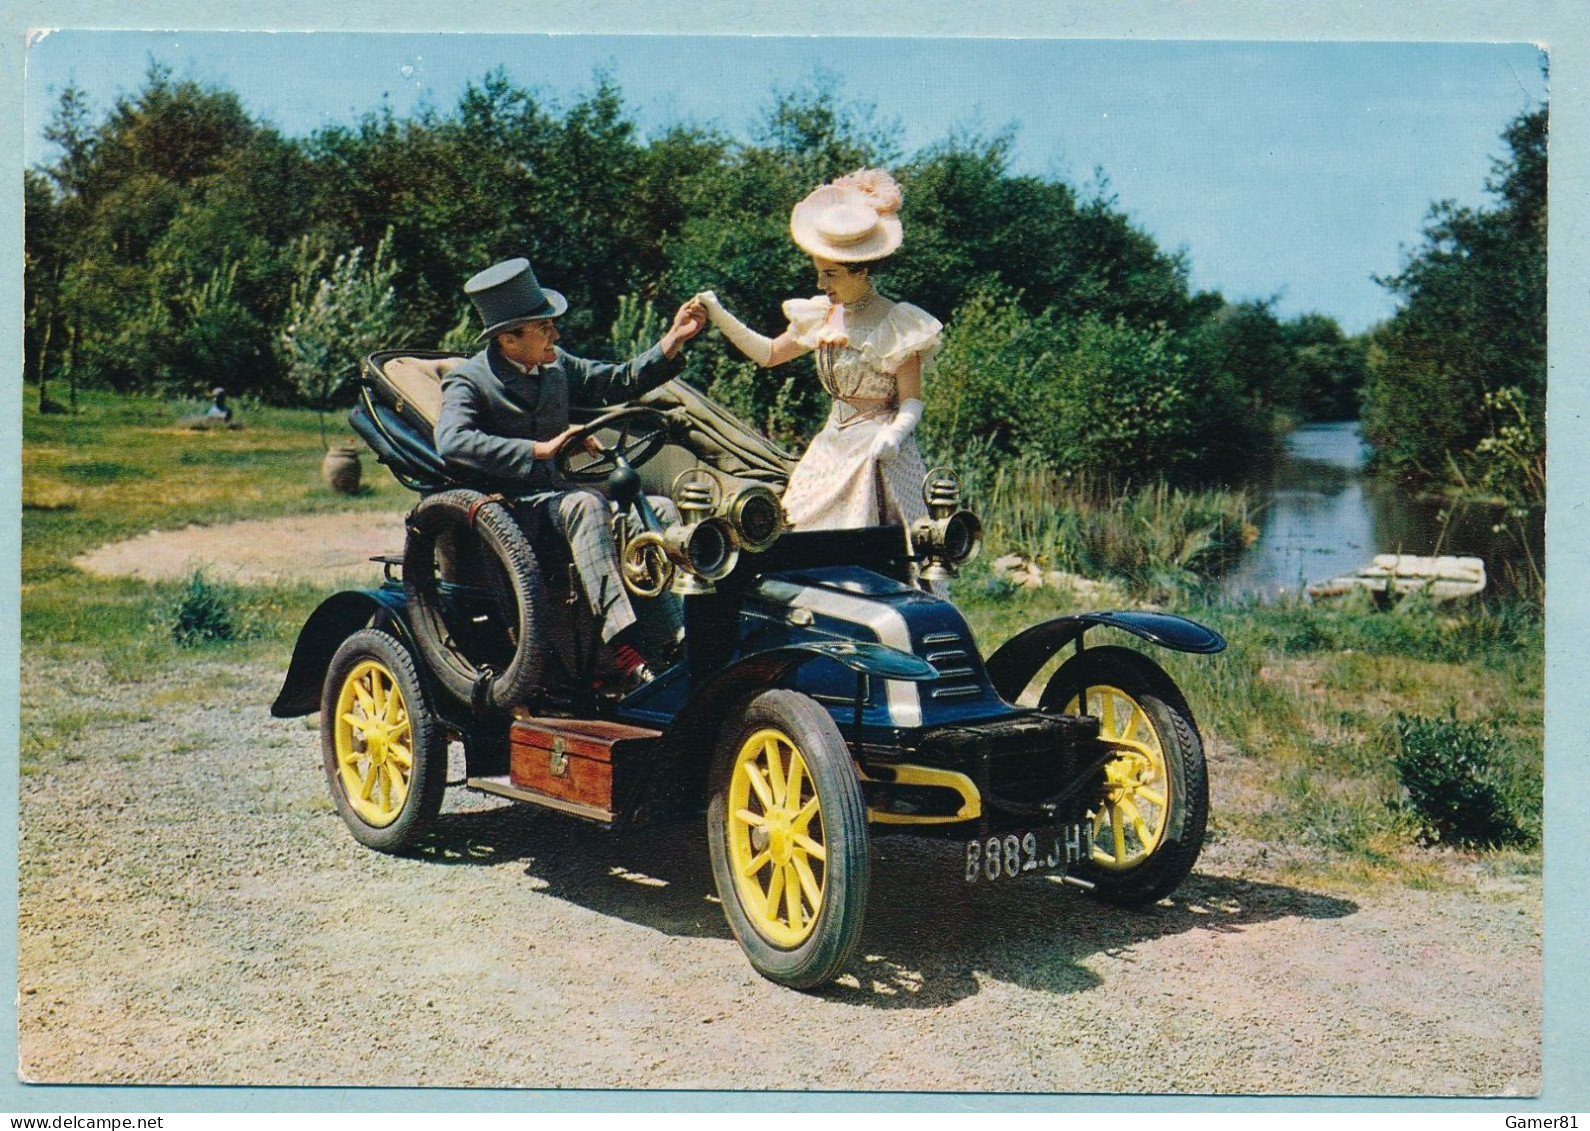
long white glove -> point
(744, 339)
(887, 443)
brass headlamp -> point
(949, 537)
(756, 515)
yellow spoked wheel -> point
(1129, 821)
(385, 756)
(1150, 808)
(375, 743)
(787, 828)
(776, 837)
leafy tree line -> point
(176, 242)
(1456, 381)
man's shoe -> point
(631, 672)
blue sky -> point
(1291, 169)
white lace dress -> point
(837, 484)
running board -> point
(502, 787)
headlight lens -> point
(963, 537)
(757, 516)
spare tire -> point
(477, 604)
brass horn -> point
(644, 563)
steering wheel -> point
(642, 432)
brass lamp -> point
(704, 546)
(949, 537)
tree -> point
(168, 238)
(335, 315)
(43, 261)
(1324, 372)
(170, 242)
(1471, 323)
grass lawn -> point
(123, 466)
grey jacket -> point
(492, 414)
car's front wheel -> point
(385, 754)
(787, 828)
(1151, 806)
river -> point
(1321, 517)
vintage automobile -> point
(825, 691)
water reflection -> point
(1322, 518)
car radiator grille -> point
(1025, 759)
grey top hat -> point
(507, 295)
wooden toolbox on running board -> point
(571, 761)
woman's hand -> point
(886, 445)
(741, 336)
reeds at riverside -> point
(1156, 538)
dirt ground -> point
(192, 911)
(327, 548)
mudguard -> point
(772, 668)
(1015, 662)
(337, 618)
(673, 782)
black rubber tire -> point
(846, 870)
(372, 654)
(444, 547)
(1186, 814)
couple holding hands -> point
(505, 412)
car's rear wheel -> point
(787, 828)
(1151, 807)
(385, 755)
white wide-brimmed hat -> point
(853, 220)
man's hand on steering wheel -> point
(583, 458)
(551, 449)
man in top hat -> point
(505, 414)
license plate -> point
(1008, 855)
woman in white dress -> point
(863, 468)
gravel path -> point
(328, 548)
(193, 912)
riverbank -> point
(1321, 515)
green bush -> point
(1463, 783)
(1117, 404)
(1080, 395)
(984, 385)
(204, 615)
